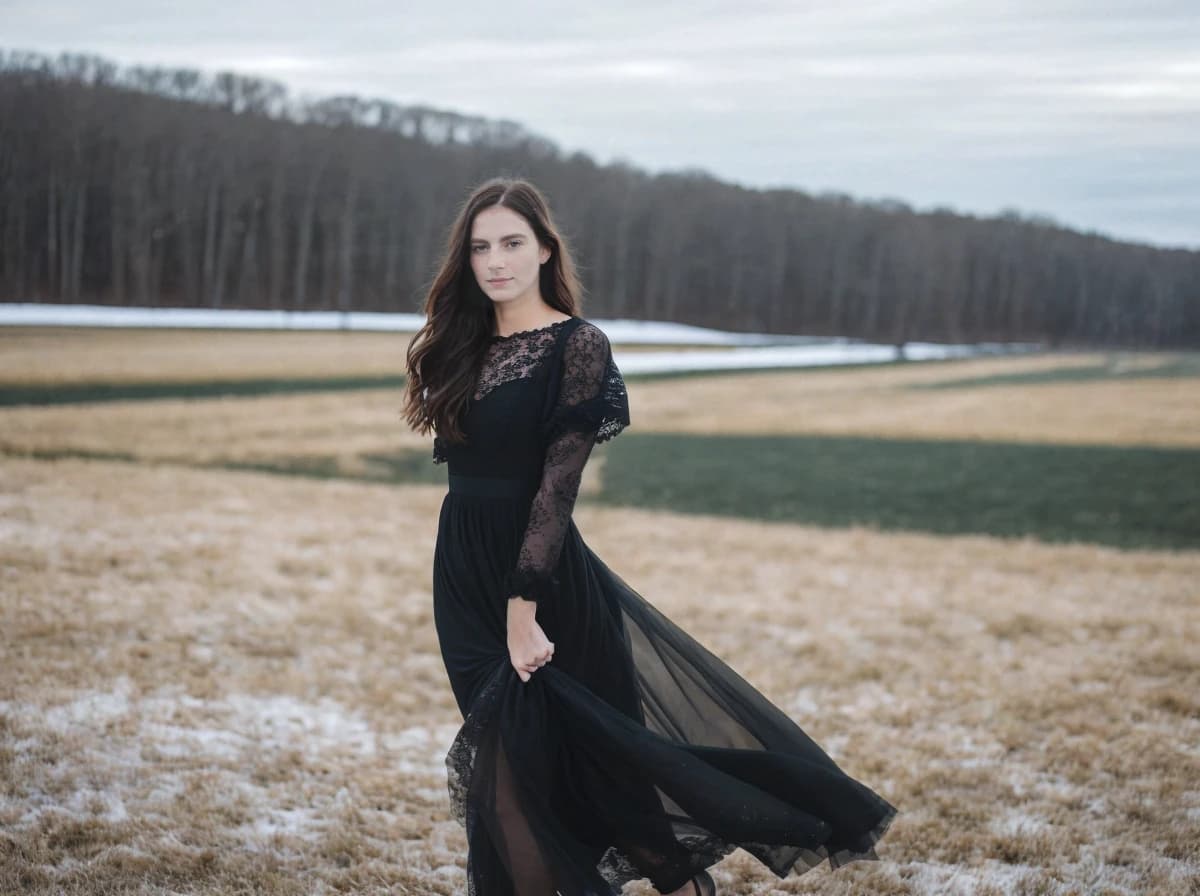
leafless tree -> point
(155, 186)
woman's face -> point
(505, 255)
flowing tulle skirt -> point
(635, 753)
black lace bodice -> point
(542, 400)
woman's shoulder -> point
(583, 335)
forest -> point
(163, 187)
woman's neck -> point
(517, 320)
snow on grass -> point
(623, 330)
(261, 764)
(263, 708)
(739, 351)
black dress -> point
(635, 752)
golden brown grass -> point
(212, 430)
(860, 401)
(876, 401)
(56, 355)
(226, 683)
(60, 355)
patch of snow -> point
(753, 358)
(414, 738)
(91, 709)
(165, 791)
(803, 704)
(281, 721)
(431, 794)
(960, 880)
(131, 769)
(1031, 782)
(183, 741)
(92, 802)
(869, 696)
(226, 726)
(302, 823)
(756, 349)
(1011, 820)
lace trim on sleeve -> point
(439, 447)
(592, 407)
(593, 397)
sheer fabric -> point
(592, 407)
(636, 753)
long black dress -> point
(634, 753)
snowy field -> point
(740, 351)
(229, 683)
(225, 682)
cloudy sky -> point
(1086, 111)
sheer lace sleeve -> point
(592, 407)
(439, 447)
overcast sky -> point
(1087, 111)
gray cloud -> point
(1088, 112)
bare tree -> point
(169, 186)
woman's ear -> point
(545, 255)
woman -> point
(600, 742)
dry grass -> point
(212, 430)
(58, 355)
(860, 401)
(61, 355)
(876, 401)
(227, 683)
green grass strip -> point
(409, 467)
(1128, 497)
(1122, 496)
(73, 393)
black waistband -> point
(491, 486)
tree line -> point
(169, 187)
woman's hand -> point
(528, 647)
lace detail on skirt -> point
(460, 758)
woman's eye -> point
(514, 242)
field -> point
(218, 669)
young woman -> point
(600, 743)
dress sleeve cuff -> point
(530, 585)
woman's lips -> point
(498, 282)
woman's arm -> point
(592, 407)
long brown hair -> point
(445, 354)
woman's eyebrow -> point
(507, 236)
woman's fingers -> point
(535, 646)
(525, 670)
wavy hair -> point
(445, 355)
